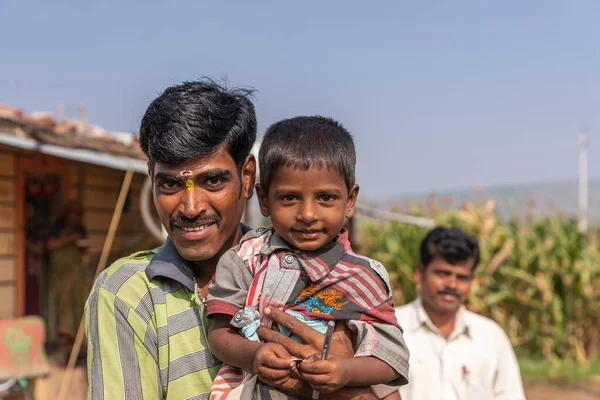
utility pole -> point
(583, 183)
(83, 115)
(61, 113)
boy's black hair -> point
(304, 142)
(450, 244)
(194, 119)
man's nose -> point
(193, 202)
(450, 282)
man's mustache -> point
(449, 292)
(182, 220)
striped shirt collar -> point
(169, 264)
(317, 264)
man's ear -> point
(248, 176)
(419, 275)
(262, 200)
(151, 171)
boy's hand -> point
(273, 364)
(326, 376)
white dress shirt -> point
(476, 362)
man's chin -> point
(197, 256)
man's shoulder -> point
(127, 272)
(406, 310)
(483, 325)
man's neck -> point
(204, 271)
(444, 322)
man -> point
(145, 318)
(455, 354)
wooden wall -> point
(7, 233)
(97, 188)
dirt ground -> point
(544, 391)
(533, 391)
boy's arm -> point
(268, 360)
(229, 346)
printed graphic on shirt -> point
(322, 302)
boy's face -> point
(307, 208)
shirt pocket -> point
(477, 386)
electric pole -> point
(583, 183)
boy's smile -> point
(307, 207)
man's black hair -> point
(304, 142)
(194, 119)
(451, 245)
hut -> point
(44, 164)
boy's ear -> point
(352, 196)
(262, 200)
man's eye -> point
(169, 185)
(214, 181)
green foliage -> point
(538, 277)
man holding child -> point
(149, 333)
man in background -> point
(455, 353)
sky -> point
(439, 95)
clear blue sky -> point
(439, 94)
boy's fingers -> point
(281, 352)
(315, 367)
(273, 374)
(279, 363)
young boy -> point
(304, 265)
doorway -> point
(42, 189)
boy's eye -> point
(327, 197)
(288, 197)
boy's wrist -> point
(255, 352)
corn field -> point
(539, 278)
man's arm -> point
(507, 382)
(122, 359)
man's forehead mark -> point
(189, 184)
(186, 172)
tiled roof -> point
(42, 127)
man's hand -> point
(312, 340)
(326, 376)
(273, 364)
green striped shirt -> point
(147, 332)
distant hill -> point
(547, 196)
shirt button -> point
(288, 258)
(238, 316)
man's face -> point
(444, 286)
(200, 202)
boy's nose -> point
(308, 212)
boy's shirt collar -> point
(317, 264)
